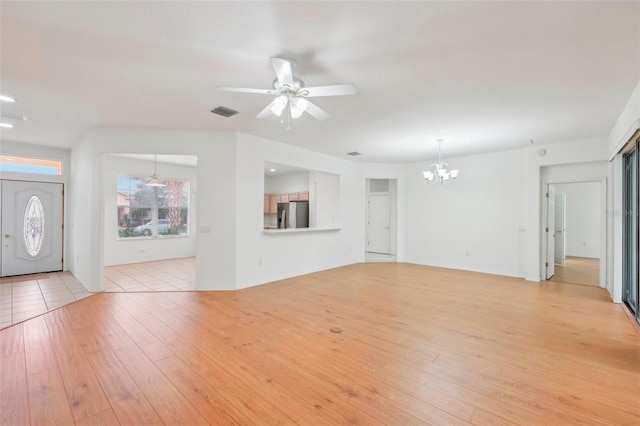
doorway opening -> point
(150, 238)
(574, 233)
(381, 218)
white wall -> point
(627, 124)
(232, 250)
(473, 224)
(134, 250)
(216, 238)
(86, 216)
(583, 218)
(324, 200)
(264, 257)
(297, 182)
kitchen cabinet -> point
(271, 200)
(271, 203)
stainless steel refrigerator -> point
(294, 214)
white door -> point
(549, 231)
(379, 224)
(560, 227)
(31, 224)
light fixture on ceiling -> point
(439, 172)
(154, 181)
(6, 125)
(5, 98)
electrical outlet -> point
(260, 262)
(466, 253)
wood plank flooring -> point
(578, 270)
(419, 346)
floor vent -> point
(224, 111)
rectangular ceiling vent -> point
(354, 153)
(224, 111)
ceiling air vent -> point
(224, 111)
(354, 153)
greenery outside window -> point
(152, 212)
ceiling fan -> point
(291, 91)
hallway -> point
(578, 270)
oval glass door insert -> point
(34, 226)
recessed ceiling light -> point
(272, 170)
(6, 98)
(7, 125)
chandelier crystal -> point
(439, 172)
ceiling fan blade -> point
(336, 90)
(316, 112)
(247, 90)
(267, 110)
(283, 70)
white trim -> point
(635, 126)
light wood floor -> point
(419, 346)
(578, 270)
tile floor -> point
(28, 296)
(162, 275)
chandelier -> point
(154, 180)
(439, 172)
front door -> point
(31, 225)
(379, 224)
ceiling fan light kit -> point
(291, 93)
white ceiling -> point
(484, 76)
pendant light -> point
(154, 181)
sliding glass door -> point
(630, 288)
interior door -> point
(551, 226)
(560, 227)
(31, 224)
(379, 224)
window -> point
(16, 163)
(151, 211)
